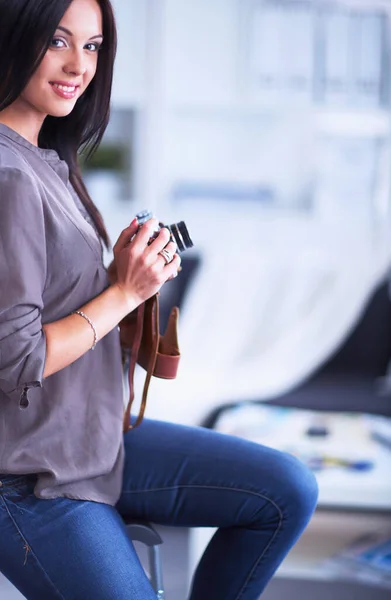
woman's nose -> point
(75, 65)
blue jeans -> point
(260, 499)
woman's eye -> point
(93, 47)
(57, 43)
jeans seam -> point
(211, 487)
(30, 547)
(256, 565)
(233, 489)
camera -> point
(179, 232)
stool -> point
(141, 531)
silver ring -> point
(167, 255)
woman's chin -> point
(61, 111)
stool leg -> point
(156, 571)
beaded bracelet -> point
(80, 312)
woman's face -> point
(70, 63)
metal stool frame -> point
(144, 532)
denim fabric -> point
(260, 499)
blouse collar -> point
(45, 154)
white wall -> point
(130, 74)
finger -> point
(126, 235)
(171, 247)
(145, 233)
(160, 242)
(173, 267)
(167, 253)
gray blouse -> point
(66, 428)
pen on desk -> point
(322, 462)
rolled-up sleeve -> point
(22, 281)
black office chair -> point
(145, 533)
(350, 380)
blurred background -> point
(265, 126)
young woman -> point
(67, 472)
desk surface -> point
(349, 437)
(362, 491)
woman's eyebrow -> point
(65, 30)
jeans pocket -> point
(15, 487)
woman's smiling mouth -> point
(64, 90)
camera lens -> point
(185, 235)
(181, 236)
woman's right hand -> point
(140, 269)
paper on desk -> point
(348, 436)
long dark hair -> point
(26, 30)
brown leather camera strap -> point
(150, 311)
(132, 365)
(154, 319)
